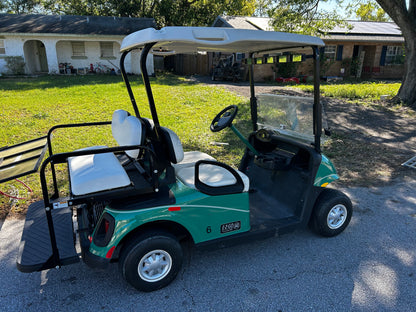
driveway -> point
(369, 267)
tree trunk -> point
(405, 17)
(407, 91)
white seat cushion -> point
(190, 158)
(95, 173)
(211, 175)
(173, 144)
(127, 130)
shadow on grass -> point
(66, 81)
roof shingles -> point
(71, 24)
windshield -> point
(290, 116)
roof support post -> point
(127, 82)
(146, 81)
(253, 99)
(317, 108)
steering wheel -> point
(224, 118)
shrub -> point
(286, 70)
(15, 64)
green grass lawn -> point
(30, 106)
(368, 91)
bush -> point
(351, 66)
(15, 64)
(286, 70)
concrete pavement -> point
(369, 267)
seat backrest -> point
(127, 130)
(173, 145)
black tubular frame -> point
(127, 82)
(51, 130)
(253, 99)
(317, 109)
(145, 75)
(62, 158)
(146, 81)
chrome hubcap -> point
(336, 216)
(155, 265)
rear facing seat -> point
(100, 172)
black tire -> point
(331, 214)
(158, 249)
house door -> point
(35, 57)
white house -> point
(49, 43)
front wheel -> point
(151, 261)
(332, 213)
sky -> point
(332, 4)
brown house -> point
(363, 49)
(369, 49)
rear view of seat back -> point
(127, 130)
(173, 145)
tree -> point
(262, 7)
(405, 17)
(165, 12)
(369, 11)
(303, 16)
(19, 6)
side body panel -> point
(204, 217)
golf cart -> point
(227, 69)
(143, 202)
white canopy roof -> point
(214, 39)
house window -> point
(78, 48)
(330, 52)
(106, 49)
(394, 55)
(2, 48)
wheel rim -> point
(337, 216)
(155, 266)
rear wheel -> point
(332, 213)
(151, 261)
